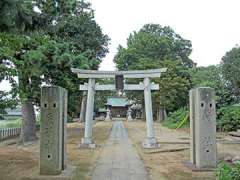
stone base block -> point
(67, 174)
(108, 119)
(130, 119)
(87, 143)
(150, 143)
(193, 167)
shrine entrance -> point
(147, 86)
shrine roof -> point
(117, 101)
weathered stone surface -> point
(192, 95)
(150, 141)
(65, 103)
(203, 128)
(89, 114)
(53, 131)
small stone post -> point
(87, 140)
(53, 130)
(108, 115)
(203, 150)
(129, 114)
(150, 141)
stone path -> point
(119, 160)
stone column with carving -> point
(150, 141)
(53, 130)
(87, 141)
(203, 149)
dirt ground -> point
(169, 165)
(20, 161)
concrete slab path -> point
(119, 160)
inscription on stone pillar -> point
(203, 128)
(53, 131)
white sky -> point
(212, 25)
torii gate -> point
(150, 141)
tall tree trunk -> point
(161, 114)
(29, 122)
(83, 108)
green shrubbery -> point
(11, 123)
(228, 172)
(176, 118)
(228, 118)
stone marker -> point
(53, 130)
(203, 150)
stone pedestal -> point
(87, 141)
(203, 150)
(53, 130)
(150, 141)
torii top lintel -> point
(153, 73)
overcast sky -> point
(212, 25)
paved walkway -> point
(119, 160)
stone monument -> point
(203, 150)
(53, 130)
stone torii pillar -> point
(87, 140)
(150, 141)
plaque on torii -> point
(146, 86)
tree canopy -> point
(154, 46)
(42, 47)
(231, 71)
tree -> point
(231, 71)
(156, 47)
(212, 76)
(73, 22)
(156, 43)
(39, 51)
